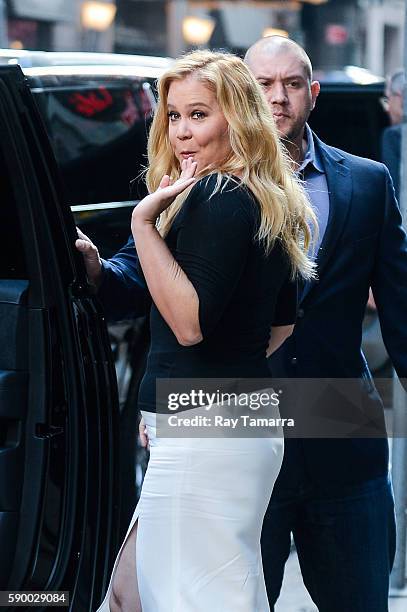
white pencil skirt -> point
(200, 517)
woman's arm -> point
(193, 291)
(278, 335)
(172, 292)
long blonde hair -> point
(257, 155)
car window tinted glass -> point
(98, 130)
(12, 259)
(350, 120)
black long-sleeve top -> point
(242, 292)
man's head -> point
(284, 70)
(394, 95)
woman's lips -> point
(186, 154)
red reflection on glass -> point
(130, 114)
(146, 103)
(92, 103)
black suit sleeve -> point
(212, 246)
(389, 283)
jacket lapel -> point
(339, 180)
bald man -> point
(335, 495)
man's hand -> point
(143, 434)
(91, 258)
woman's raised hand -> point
(148, 209)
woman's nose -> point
(184, 130)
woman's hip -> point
(211, 470)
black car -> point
(349, 113)
(58, 395)
(97, 108)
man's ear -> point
(315, 89)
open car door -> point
(58, 397)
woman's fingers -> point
(191, 167)
(179, 186)
(183, 167)
(165, 181)
(166, 193)
(188, 168)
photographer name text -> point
(243, 420)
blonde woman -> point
(220, 238)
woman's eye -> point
(198, 114)
(172, 115)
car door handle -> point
(45, 431)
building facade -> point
(383, 32)
(50, 25)
(336, 33)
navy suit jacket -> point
(364, 245)
(123, 290)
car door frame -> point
(83, 554)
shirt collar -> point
(311, 154)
